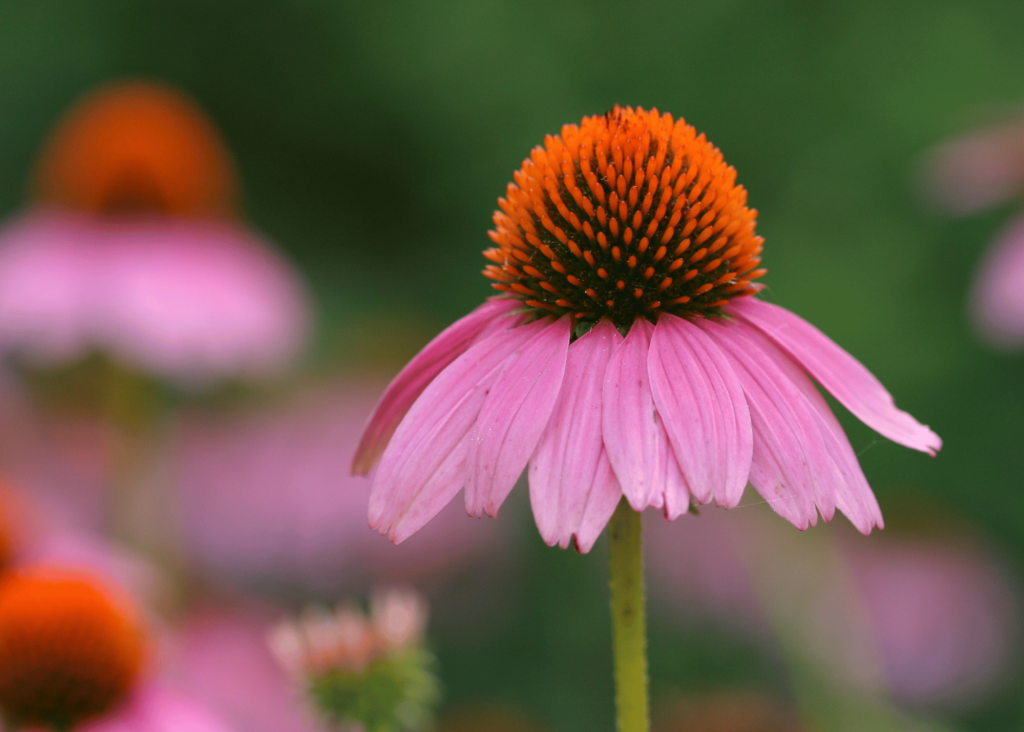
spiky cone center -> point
(137, 147)
(69, 650)
(629, 214)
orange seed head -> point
(137, 147)
(628, 214)
(69, 651)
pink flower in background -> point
(997, 295)
(261, 502)
(970, 173)
(945, 617)
(629, 357)
(931, 619)
(221, 657)
(132, 247)
(157, 708)
(977, 170)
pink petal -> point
(839, 372)
(603, 499)
(418, 373)
(676, 495)
(634, 433)
(422, 467)
(705, 412)
(792, 469)
(566, 468)
(514, 417)
(853, 495)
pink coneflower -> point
(132, 246)
(928, 617)
(627, 356)
(970, 173)
(944, 615)
(157, 708)
(220, 657)
(71, 649)
(262, 506)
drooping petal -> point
(841, 374)
(565, 469)
(513, 418)
(604, 497)
(418, 373)
(676, 494)
(424, 462)
(634, 433)
(792, 469)
(630, 423)
(440, 488)
(704, 410)
(853, 494)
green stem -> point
(629, 635)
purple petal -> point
(514, 417)
(418, 373)
(997, 295)
(634, 432)
(705, 412)
(791, 469)
(422, 467)
(840, 373)
(566, 468)
(853, 495)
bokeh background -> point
(372, 140)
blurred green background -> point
(374, 138)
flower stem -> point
(629, 638)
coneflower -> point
(628, 363)
(70, 649)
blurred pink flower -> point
(965, 175)
(155, 707)
(184, 299)
(976, 170)
(997, 295)
(132, 247)
(930, 619)
(266, 501)
(221, 657)
(944, 615)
